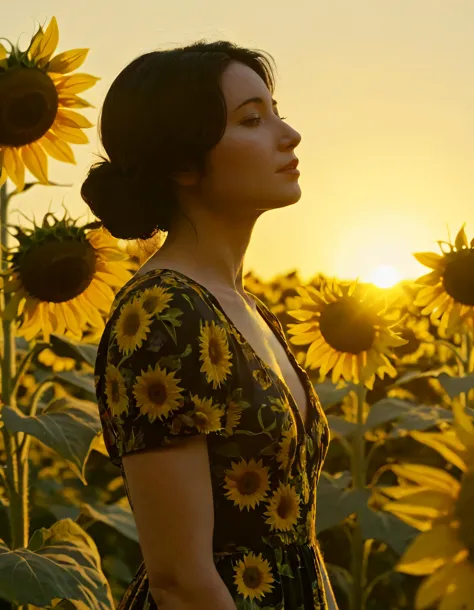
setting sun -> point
(385, 276)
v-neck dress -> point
(170, 365)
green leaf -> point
(115, 516)
(333, 503)
(456, 385)
(68, 426)
(412, 375)
(67, 348)
(61, 562)
(328, 393)
(421, 417)
(384, 526)
(340, 426)
(84, 381)
(386, 410)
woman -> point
(218, 431)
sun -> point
(384, 276)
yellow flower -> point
(284, 508)
(157, 393)
(253, 576)
(116, 391)
(37, 93)
(439, 505)
(206, 416)
(283, 455)
(132, 326)
(215, 353)
(420, 342)
(448, 292)
(247, 483)
(346, 331)
(155, 299)
(61, 277)
(234, 413)
(57, 363)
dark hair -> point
(164, 112)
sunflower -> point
(247, 483)
(448, 291)
(155, 299)
(439, 505)
(206, 416)
(233, 415)
(37, 92)
(283, 455)
(139, 251)
(132, 326)
(215, 353)
(253, 576)
(157, 393)
(57, 363)
(284, 508)
(116, 391)
(420, 342)
(346, 331)
(61, 278)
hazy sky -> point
(381, 91)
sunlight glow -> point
(385, 276)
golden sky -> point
(381, 91)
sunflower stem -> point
(14, 474)
(359, 475)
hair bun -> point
(108, 190)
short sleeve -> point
(165, 372)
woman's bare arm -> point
(171, 492)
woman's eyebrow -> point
(255, 100)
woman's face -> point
(242, 168)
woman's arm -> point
(171, 493)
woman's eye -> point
(257, 118)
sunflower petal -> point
(48, 43)
(435, 441)
(14, 167)
(461, 239)
(36, 161)
(73, 101)
(427, 503)
(430, 550)
(434, 586)
(57, 149)
(69, 118)
(68, 61)
(429, 259)
(3, 57)
(75, 83)
(426, 475)
(69, 134)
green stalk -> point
(359, 475)
(18, 513)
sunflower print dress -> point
(170, 365)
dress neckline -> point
(266, 316)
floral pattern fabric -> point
(170, 365)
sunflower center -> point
(201, 418)
(284, 507)
(248, 483)
(131, 324)
(157, 393)
(57, 270)
(115, 390)
(215, 353)
(458, 277)
(252, 577)
(149, 304)
(347, 327)
(464, 512)
(410, 347)
(28, 105)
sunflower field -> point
(394, 370)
